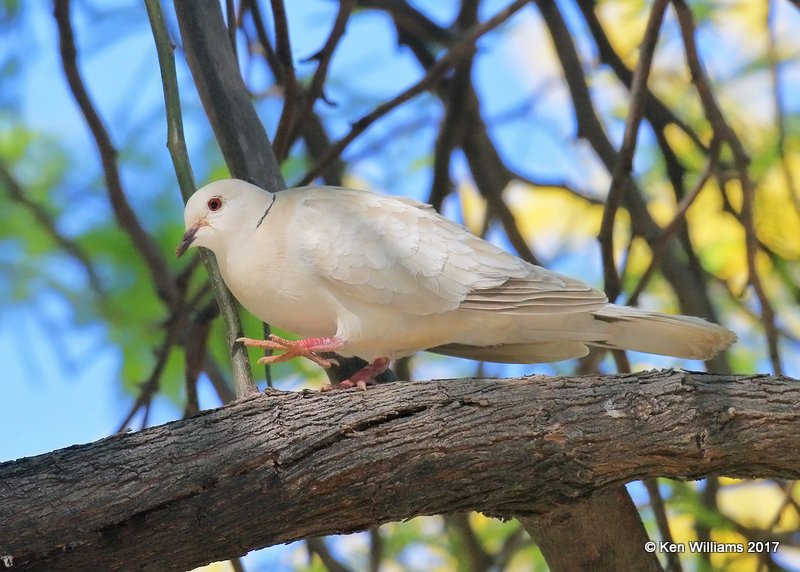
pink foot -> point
(306, 348)
(362, 377)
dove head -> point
(220, 211)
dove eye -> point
(214, 204)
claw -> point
(362, 377)
(306, 348)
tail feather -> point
(655, 333)
(559, 337)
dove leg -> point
(362, 377)
(306, 348)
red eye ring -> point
(214, 204)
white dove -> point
(378, 277)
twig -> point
(780, 114)
(230, 11)
(721, 128)
(660, 117)
(498, 208)
(323, 57)
(150, 386)
(242, 375)
(434, 73)
(787, 489)
(453, 124)
(470, 547)
(48, 223)
(624, 165)
(236, 565)
(490, 173)
(317, 546)
(660, 513)
(375, 549)
(283, 50)
(562, 185)
(658, 246)
(685, 280)
(313, 132)
(124, 214)
(655, 110)
(708, 498)
(263, 40)
(218, 381)
(195, 349)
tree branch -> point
(433, 75)
(623, 167)
(278, 467)
(689, 288)
(725, 132)
(586, 527)
(176, 143)
(123, 212)
(49, 225)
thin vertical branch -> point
(230, 13)
(659, 245)
(780, 113)
(176, 142)
(454, 122)
(624, 165)
(312, 129)
(283, 50)
(660, 513)
(375, 549)
(687, 282)
(724, 131)
(323, 57)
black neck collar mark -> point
(266, 212)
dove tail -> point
(654, 333)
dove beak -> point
(188, 237)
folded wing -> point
(401, 253)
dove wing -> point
(401, 253)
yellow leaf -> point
(473, 208)
(624, 24)
(776, 213)
(553, 218)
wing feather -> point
(400, 252)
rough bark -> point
(282, 466)
(578, 536)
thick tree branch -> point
(277, 467)
(585, 526)
(241, 136)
